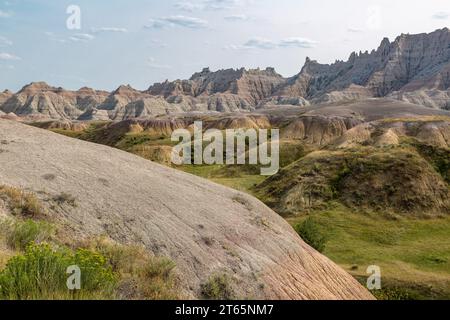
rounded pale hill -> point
(205, 228)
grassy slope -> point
(414, 254)
(113, 267)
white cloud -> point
(4, 42)
(237, 17)
(5, 14)
(298, 43)
(222, 4)
(354, 30)
(260, 43)
(235, 47)
(191, 6)
(82, 37)
(156, 24)
(52, 36)
(151, 63)
(8, 56)
(267, 44)
(441, 15)
(188, 6)
(109, 29)
(179, 20)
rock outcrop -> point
(431, 98)
(318, 130)
(224, 90)
(432, 131)
(54, 103)
(4, 96)
(409, 63)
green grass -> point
(108, 270)
(239, 180)
(310, 232)
(21, 233)
(438, 157)
(69, 133)
(414, 254)
(40, 273)
(131, 140)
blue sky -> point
(139, 42)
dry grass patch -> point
(22, 203)
(218, 287)
(142, 276)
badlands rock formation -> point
(411, 62)
(5, 95)
(412, 68)
(205, 228)
(431, 131)
(55, 103)
(226, 90)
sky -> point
(106, 43)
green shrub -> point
(40, 273)
(19, 234)
(218, 287)
(141, 275)
(157, 281)
(310, 233)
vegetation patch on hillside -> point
(34, 259)
(413, 254)
(393, 179)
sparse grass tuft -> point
(22, 203)
(218, 287)
(65, 198)
(157, 279)
(141, 275)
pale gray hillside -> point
(205, 228)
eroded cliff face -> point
(39, 98)
(224, 90)
(406, 64)
(5, 95)
(318, 130)
(431, 98)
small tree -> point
(310, 233)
